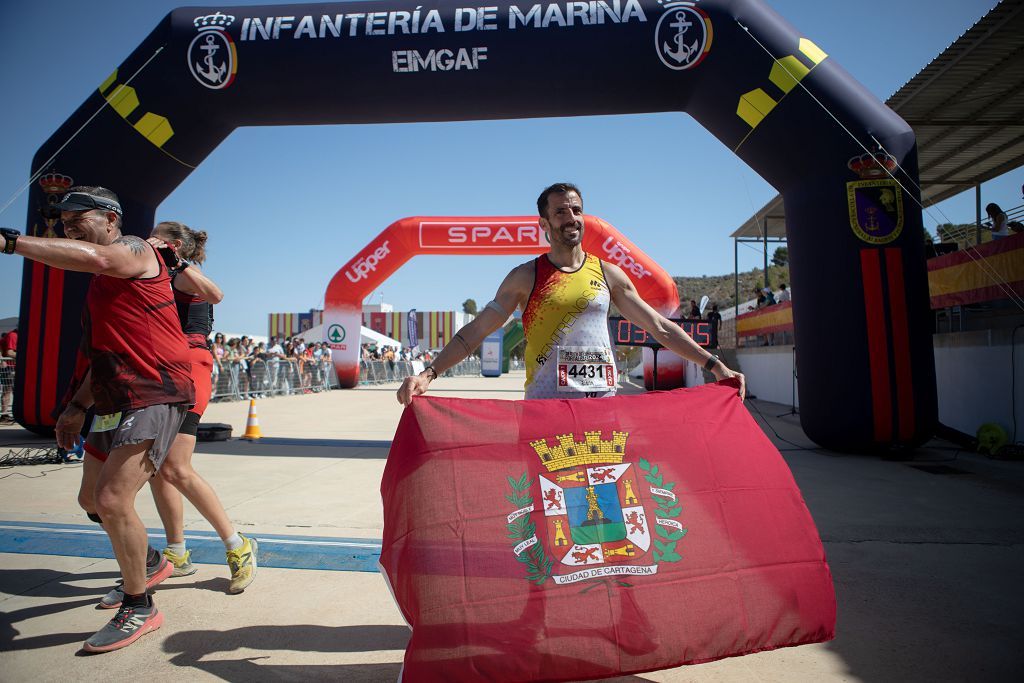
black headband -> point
(83, 201)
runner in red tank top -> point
(135, 372)
(194, 295)
(136, 350)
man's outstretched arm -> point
(671, 336)
(513, 291)
(127, 256)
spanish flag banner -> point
(556, 540)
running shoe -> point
(127, 626)
(182, 563)
(242, 562)
(154, 575)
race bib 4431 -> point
(585, 368)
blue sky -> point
(334, 188)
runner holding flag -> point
(565, 295)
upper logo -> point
(682, 37)
(620, 254)
(600, 513)
(876, 202)
(367, 264)
(212, 57)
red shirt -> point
(10, 343)
(133, 339)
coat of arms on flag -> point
(605, 514)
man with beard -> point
(135, 373)
(564, 296)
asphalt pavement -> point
(927, 555)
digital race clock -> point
(625, 333)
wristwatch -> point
(10, 239)
(710, 365)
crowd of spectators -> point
(766, 297)
(380, 363)
(370, 351)
(245, 368)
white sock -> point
(177, 548)
(233, 542)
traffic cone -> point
(252, 425)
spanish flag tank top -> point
(568, 350)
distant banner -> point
(414, 334)
(990, 273)
(777, 318)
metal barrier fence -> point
(380, 371)
(7, 389)
(242, 380)
(239, 380)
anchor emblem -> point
(213, 73)
(682, 52)
(212, 55)
(682, 37)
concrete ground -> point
(927, 557)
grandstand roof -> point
(966, 108)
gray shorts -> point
(159, 423)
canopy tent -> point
(366, 336)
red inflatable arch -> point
(474, 236)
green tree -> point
(469, 306)
(781, 256)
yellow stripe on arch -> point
(754, 106)
(812, 51)
(124, 100)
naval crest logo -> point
(599, 514)
(876, 201)
(682, 37)
(212, 57)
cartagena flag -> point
(556, 540)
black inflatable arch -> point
(866, 370)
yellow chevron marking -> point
(124, 100)
(754, 106)
(105, 85)
(812, 51)
(787, 72)
(157, 129)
